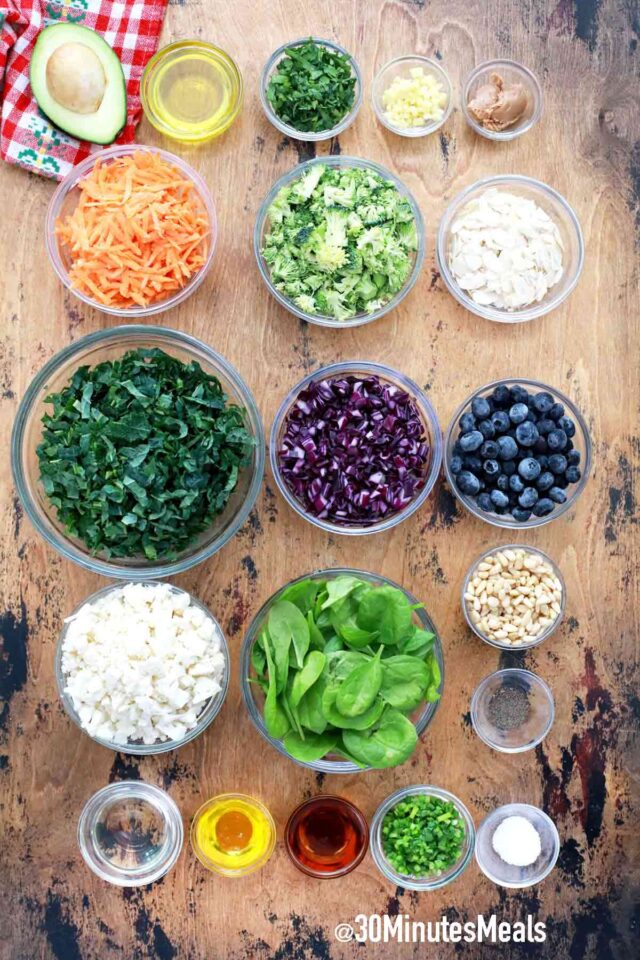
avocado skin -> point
(108, 122)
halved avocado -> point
(78, 82)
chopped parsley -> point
(312, 88)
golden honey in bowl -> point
(233, 834)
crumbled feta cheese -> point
(505, 251)
(141, 663)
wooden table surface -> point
(587, 146)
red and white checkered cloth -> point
(130, 27)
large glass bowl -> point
(253, 696)
(261, 229)
(309, 136)
(427, 414)
(560, 212)
(581, 442)
(27, 433)
(206, 716)
(65, 199)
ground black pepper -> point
(508, 708)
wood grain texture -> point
(588, 147)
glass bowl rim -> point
(341, 160)
(420, 883)
(343, 871)
(60, 542)
(535, 681)
(213, 704)
(429, 710)
(513, 809)
(432, 423)
(225, 871)
(434, 125)
(71, 181)
(495, 520)
(136, 789)
(532, 312)
(499, 645)
(310, 136)
(503, 136)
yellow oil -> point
(233, 834)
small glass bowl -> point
(533, 730)
(261, 230)
(300, 812)
(308, 136)
(545, 633)
(167, 59)
(420, 883)
(65, 199)
(560, 212)
(511, 72)
(107, 831)
(253, 700)
(27, 433)
(400, 67)
(504, 874)
(210, 864)
(207, 715)
(581, 442)
(432, 429)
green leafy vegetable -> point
(304, 679)
(390, 742)
(312, 88)
(422, 835)
(360, 688)
(140, 454)
(388, 611)
(314, 746)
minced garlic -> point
(414, 100)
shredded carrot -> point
(138, 234)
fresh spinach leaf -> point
(305, 678)
(287, 628)
(275, 718)
(404, 681)
(360, 688)
(315, 746)
(390, 742)
(310, 708)
(387, 610)
(337, 719)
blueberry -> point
(528, 497)
(557, 411)
(484, 502)
(518, 413)
(540, 446)
(573, 474)
(507, 448)
(455, 465)
(491, 468)
(557, 495)
(456, 450)
(487, 429)
(558, 463)
(569, 446)
(467, 483)
(509, 467)
(515, 483)
(545, 481)
(502, 483)
(519, 394)
(567, 424)
(499, 500)
(467, 422)
(542, 402)
(489, 449)
(472, 463)
(501, 396)
(500, 421)
(520, 515)
(545, 426)
(527, 434)
(481, 408)
(562, 482)
(471, 441)
(529, 468)
(557, 440)
(543, 460)
(573, 458)
(543, 507)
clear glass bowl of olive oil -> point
(191, 91)
(233, 834)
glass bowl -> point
(130, 834)
(504, 874)
(400, 67)
(581, 441)
(65, 199)
(258, 809)
(219, 64)
(421, 718)
(411, 882)
(309, 136)
(207, 715)
(560, 212)
(432, 429)
(27, 432)
(551, 628)
(261, 230)
(511, 72)
(538, 723)
(350, 812)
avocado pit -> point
(75, 78)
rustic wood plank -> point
(588, 147)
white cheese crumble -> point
(141, 662)
(505, 251)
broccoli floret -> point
(331, 302)
(355, 225)
(336, 232)
(339, 196)
(306, 303)
(329, 257)
(303, 188)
